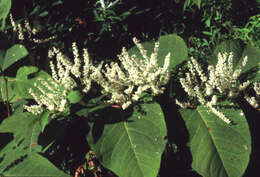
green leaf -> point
(174, 44)
(10, 90)
(18, 156)
(18, 87)
(57, 3)
(21, 125)
(228, 46)
(18, 161)
(169, 43)
(208, 22)
(258, 2)
(2, 56)
(43, 14)
(197, 2)
(239, 53)
(25, 128)
(186, 4)
(35, 10)
(85, 111)
(257, 75)
(133, 147)
(17, 107)
(34, 164)
(13, 54)
(5, 6)
(33, 133)
(22, 84)
(44, 119)
(74, 96)
(207, 33)
(218, 149)
(253, 54)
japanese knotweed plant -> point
(122, 86)
(222, 81)
(132, 139)
(216, 124)
(124, 83)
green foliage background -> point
(153, 137)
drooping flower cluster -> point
(26, 29)
(126, 85)
(222, 78)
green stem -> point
(6, 95)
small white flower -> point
(214, 100)
(209, 89)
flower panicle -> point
(221, 78)
(25, 31)
(125, 86)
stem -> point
(6, 95)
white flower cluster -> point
(126, 85)
(52, 94)
(66, 68)
(123, 86)
(26, 29)
(222, 78)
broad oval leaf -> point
(218, 149)
(13, 54)
(24, 126)
(253, 54)
(5, 6)
(33, 164)
(228, 46)
(74, 96)
(44, 119)
(133, 147)
(169, 43)
(22, 83)
(174, 44)
(18, 161)
(239, 52)
(17, 158)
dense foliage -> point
(182, 101)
